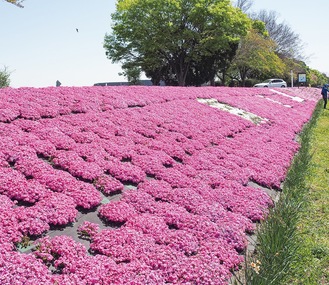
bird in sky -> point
(77, 30)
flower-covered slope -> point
(186, 217)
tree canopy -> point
(256, 55)
(174, 39)
(192, 42)
(288, 43)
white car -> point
(274, 82)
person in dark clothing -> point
(324, 93)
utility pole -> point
(292, 78)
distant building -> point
(142, 82)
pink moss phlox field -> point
(171, 178)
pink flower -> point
(88, 229)
(186, 217)
(117, 211)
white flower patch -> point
(233, 110)
(295, 98)
(274, 101)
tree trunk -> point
(182, 73)
(224, 78)
(243, 76)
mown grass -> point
(313, 227)
(293, 242)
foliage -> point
(294, 66)
(316, 78)
(256, 56)
(288, 43)
(4, 77)
(174, 40)
(132, 73)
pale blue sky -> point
(40, 45)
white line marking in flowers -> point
(295, 98)
(212, 102)
(274, 101)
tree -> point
(288, 43)
(225, 62)
(171, 39)
(256, 56)
(132, 73)
(315, 78)
(18, 3)
(244, 5)
(4, 77)
(224, 69)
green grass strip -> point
(313, 227)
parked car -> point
(274, 82)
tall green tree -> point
(173, 39)
(224, 67)
(256, 55)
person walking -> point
(324, 93)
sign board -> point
(301, 77)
